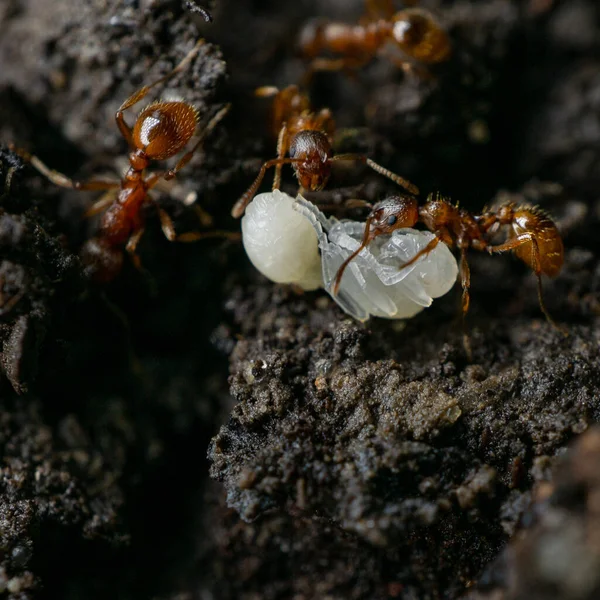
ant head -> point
(393, 213)
(314, 148)
(410, 27)
(162, 129)
(419, 35)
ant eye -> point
(392, 220)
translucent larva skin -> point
(374, 284)
(280, 242)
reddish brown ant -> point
(532, 235)
(307, 137)
(413, 30)
(161, 131)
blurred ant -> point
(532, 235)
(414, 31)
(307, 137)
(161, 131)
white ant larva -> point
(280, 242)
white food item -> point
(280, 242)
(374, 284)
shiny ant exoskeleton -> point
(161, 131)
(307, 137)
(414, 31)
(531, 233)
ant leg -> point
(363, 244)
(126, 130)
(185, 159)
(132, 245)
(101, 205)
(62, 180)
(282, 148)
(196, 8)
(348, 64)
(238, 208)
(465, 281)
(407, 185)
(513, 244)
(8, 182)
(166, 224)
(430, 246)
(266, 91)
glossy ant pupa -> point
(161, 130)
(307, 137)
(414, 31)
(532, 235)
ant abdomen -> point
(102, 260)
(314, 148)
(416, 33)
(548, 239)
(162, 129)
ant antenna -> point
(407, 185)
(195, 8)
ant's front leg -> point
(62, 180)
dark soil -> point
(362, 462)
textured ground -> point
(352, 461)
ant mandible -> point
(307, 137)
(532, 235)
(413, 30)
(161, 131)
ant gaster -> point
(307, 137)
(414, 31)
(161, 131)
(532, 235)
